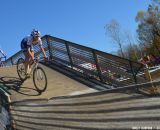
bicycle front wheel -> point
(21, 68)
(39, 79)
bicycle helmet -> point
(35, 33)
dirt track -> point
(58, 85)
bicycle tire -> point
(21, 70)
(39, 88)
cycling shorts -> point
(25, 46)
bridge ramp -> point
(58, 85)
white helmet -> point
(35, 33)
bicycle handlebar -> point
(37, 59)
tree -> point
(149, 27)
(113, 31)
(131, 49)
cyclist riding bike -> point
(27, 48)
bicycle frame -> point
(35, 64)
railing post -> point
(97, 65)
(69, 54)
(49, 47)
(133, 73)
(12, 61)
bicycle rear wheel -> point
(21, 68)
(39, 79)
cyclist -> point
(27, 48)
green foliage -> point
(148, 34)
(149, 28)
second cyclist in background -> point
(27, 44)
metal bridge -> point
(87, 90)
(100, 66)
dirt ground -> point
(58, 85)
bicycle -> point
(39, 76)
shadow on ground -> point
(14, 83)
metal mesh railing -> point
(101, 66)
